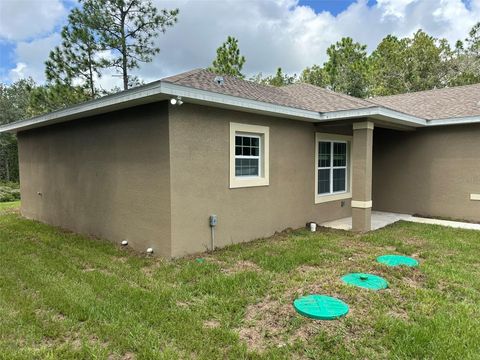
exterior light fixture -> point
(176, 101)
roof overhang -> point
(454, 121)
(376, 112)
(161, 90)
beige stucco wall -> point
(106, 176)
(154, 174)
(430, 171)
(199, 150)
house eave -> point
(376, 112)
(161, 90)
(454, 121)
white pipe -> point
(213, 237)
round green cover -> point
(397, 260)
(320, 307)
(367, 281)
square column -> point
(362, 176)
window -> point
(332, 167)
(247, 155)
(249, 160)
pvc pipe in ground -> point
(313, 227)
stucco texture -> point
(106, 176)
(430, 171)
(199, 151)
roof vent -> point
(219, 80)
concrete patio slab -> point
(455, 224)
(381, 219)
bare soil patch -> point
(273, 322)
(211, 324)
(241, 266)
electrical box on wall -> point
(213, 220)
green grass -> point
(67, 296)
(9, 205)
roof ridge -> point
(446, 88)
(182, 76)
(345, 96)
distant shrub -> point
(9, 192)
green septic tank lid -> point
(367, 281)
(320, 307)
(397, 260)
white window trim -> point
(319, 198)
(259, 157)
(263, 132)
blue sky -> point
(333, 6)
(8, 46)
(337, 6)
(291, 34)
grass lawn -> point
(9, 205)
(66, 296)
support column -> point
(362, 176)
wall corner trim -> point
(475, 197)
(361, 204)
(363, 125)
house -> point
(151, 165)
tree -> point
(347, 68)
(51, 97)
(228, 60)
(77, 59)
(426, 68)
(14, 104)
(127, 28)
(315, 75)
(465, 62)
(388, 68)
(279, 79)
(410, 64)
(473, 41)
(15, 100)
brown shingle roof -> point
(460, 101)
(324, 100)
(300, 96)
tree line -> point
(396, 66)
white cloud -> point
(31, 58)
(276, 33)
(25, 19)
(395, 8)
(18, 72)
(281, 33)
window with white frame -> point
(249, 155)
(332, 167)
(332, 163)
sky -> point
(291, 34)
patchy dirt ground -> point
(274, 322)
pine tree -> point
(228, 60)
(347, 68)
(76, 60)
(279, 79)
(127, 28)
